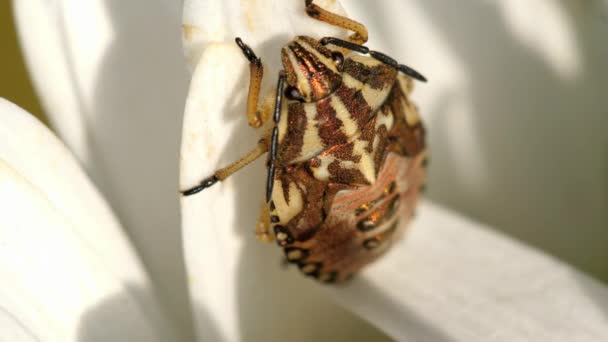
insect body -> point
(346, 152)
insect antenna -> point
(345, 44)
(274, 140)
(375, 54)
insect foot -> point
(207, 182)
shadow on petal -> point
(540, 135)
(138, 98)
(395, 317)
(106, 321)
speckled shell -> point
(349, 171)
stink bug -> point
(346, 151)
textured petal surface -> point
(68, 272)
(112, 80)
(454, 280)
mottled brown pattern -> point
(304, 225)
(329, 126)
(337, 245)
(339, 174)
(356, 105)
(316, 45)
(368, 133)
(408, 140)
(286, 175)
(322, 80)
(346, 222)
(376, 77)
(292, 143)
(344, 152)
(382, 136)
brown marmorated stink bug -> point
(347, 156)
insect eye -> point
(337, 57)
(293, 93)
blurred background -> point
(15, 84)
(517, 113)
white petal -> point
(516, 113)
(454, 280)
(112, 79)
(67, 270)
(238, 286)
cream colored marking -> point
(348, 164)
(375, 144)
(286, 211)
(309, 268)
(366, 164)
(373, 97)
(281, 236)
(386, 120)
(351, 82)
(302, 80)
(327, 61)
(322, 172)
(406, 83)
(283, 121)
(312, 142)
(294, 254)
(367, 61)
(411, 115)
(349, 126)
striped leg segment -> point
(256, 72)
(226, 172)
(316, 12)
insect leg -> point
(375, 54)
(274, 138)
(316, 12)
(262, 228)
(225, 172)
(256, 72)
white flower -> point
(113, 81)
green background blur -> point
(15, 84)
